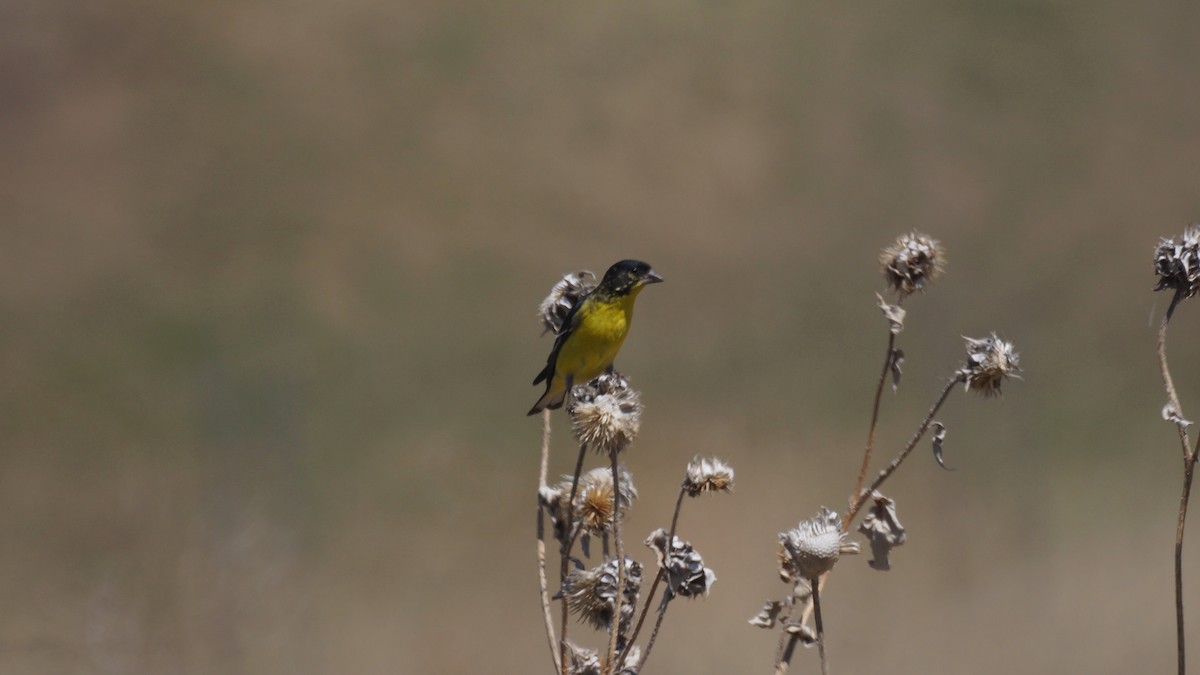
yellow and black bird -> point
(593, 331)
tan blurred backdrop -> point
(268, 273)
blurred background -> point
(268, 279)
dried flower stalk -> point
(605, 416)
(808, 553)
(1177, 265)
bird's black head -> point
(627, 276)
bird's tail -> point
(552, 399)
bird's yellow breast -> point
(595, 340)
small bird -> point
(592, 332)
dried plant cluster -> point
(603, 589)
(605, 413)
(563, 296)
(809, 552)
(990, 361)
(1177, 266)
(910, 263)
(812, 548)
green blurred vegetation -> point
(268, 276)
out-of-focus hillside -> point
(268, 278)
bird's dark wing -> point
(568, 326)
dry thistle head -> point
(813, 547)
(597, 497)
(685, 571)
(554, 309)
(707, 475)
(1177, 264)
(605, 413)
(592, 593)
(990, 361)
(913, 261)
(883, 529)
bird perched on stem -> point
(592, 332)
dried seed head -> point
(592, 593)
(554, 309)
(605, 413)
(812, 548)
(913, 261)
(707, 475)
(1177, 264)
(685, 571)
(597, 498)
(990, 361)
(883, 529)
(582, 661)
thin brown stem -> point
(1188, 472)
(784, 651)
(653, 587)
(637, 628)
(816, 602)
(784, 656)
(564, 661)
(866, 463)
(614, 626)
(545, 468)
(662, 612)
(895, 463)
(1189, 465)
(1169, 385)
(541, 542)
(787, 641)
(675, 515)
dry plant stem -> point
(1188, 471)
(895, 463)
(653, 587)
(1169, 384)
(662, 607)
(866, 463)
(541, 541)
(614, 626)
(545, 469)
(786, 646)
(662, 612)
(783, 653)
(1189, 466)
(816, 602)
(564, 661)
(787, 641)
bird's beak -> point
(652, 278)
